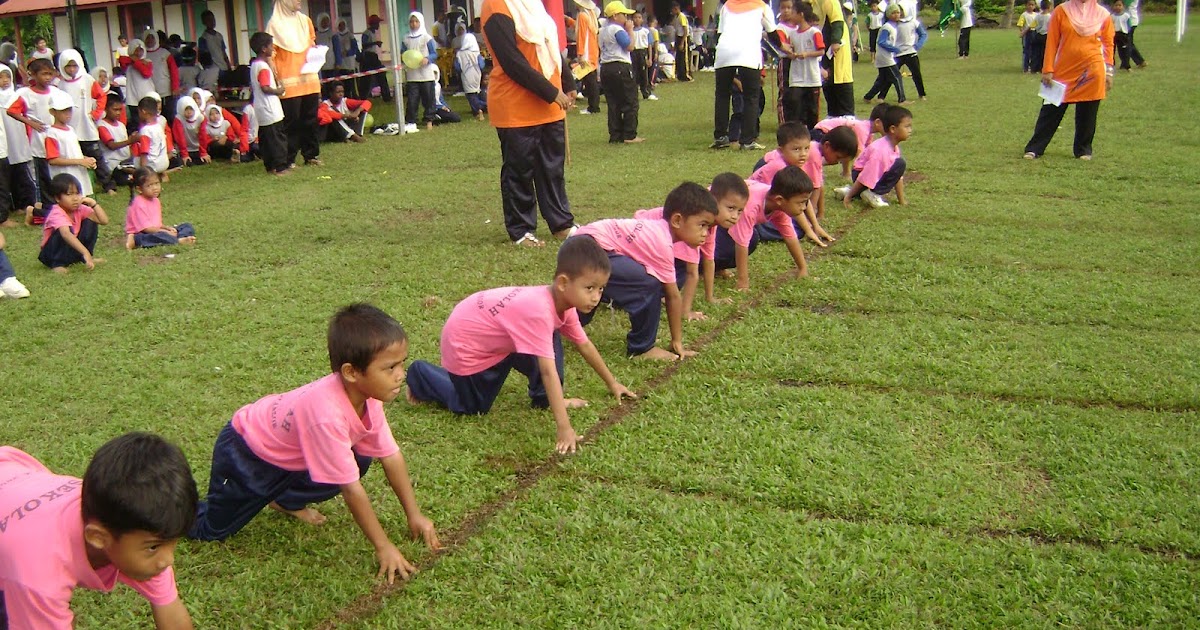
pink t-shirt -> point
(42, 553)
(814, 166)
(755, 213)
(683, 251)
(143, 213)
(490, 325)
(57, 217)
(862, 128)
(875, 161)
(649, 243)
(316, 428)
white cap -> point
(60, 100)
(154, 95)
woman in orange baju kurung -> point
(1079, 53)
(294, 34)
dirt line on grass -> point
(1019, 399)
(815, 514)
(475, 521)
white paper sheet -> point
(1054, 93)
(314, 60)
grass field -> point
(981, 411)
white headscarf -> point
(136, 44)
(7, 95)
(328, 23)
(107, 74)
(469, 43)
(217, 128)
(592, 9)
(66, 57)
(420, 30)
(200, 95)
(290, 29)
(146, 38)
(182, 105)
(536, 27)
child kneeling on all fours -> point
(143, 220)
(797, 148)
(120, 523)
(493, 332)
(72, 226)
(642, 255)
(10, 287)
(784, 200)
(306, 446)
(880, 169)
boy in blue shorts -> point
(493, 332)
(308, 445)
(642, 255)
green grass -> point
(981, 410)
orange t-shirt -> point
(509, 104)
(586, 44)
(1076, 60)
(287, 70)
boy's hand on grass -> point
(680, 351)
(421, 528)
(847, 201)
(622, 392)
(566, 441)
(89, 262)
(393, 563)
(696, 316)
(206, 158)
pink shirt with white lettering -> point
(57, 217)
(814, 166)
(648, 243)
(683, 251)
(42, 553)
(490, 325)
(862, 128)
(875, 161)
(316, 428)
(143, 213)
(755, 213)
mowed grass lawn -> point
(981, 410)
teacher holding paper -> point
(1079, 55)
(294, 35)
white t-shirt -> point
(806, 72)
(875, 20)
(741, 34)
(267, 107)
(968, 16)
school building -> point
(96, 24)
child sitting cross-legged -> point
(225, 141)
(72, 226)
(785, 199)
(496, 331)
(143, 220)
(120, 523)
(291, 450)
(731, 193)
(642, 253)
(880, 169)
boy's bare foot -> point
(61, 270)
(130, 243)
(658, 354)
(8, 223)
(110, 192)
(725, 273)
(408, 395)
(98, 261)
(307, 514)
(357, 138)
(576, 403)
(165, 178)
(29, 217)
(188, 240)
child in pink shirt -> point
(306, 446)
(781, 202)
(863, 130)
(880, 169)
(643, 267)
(120, 523)
(71, 228)
(731, 193)
(496, 331)
(797, 149)
(143, 220)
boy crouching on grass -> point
(781, 202)
(642, 255)
(880, 169)
(518, 328)
(308, 445)
(120, 523)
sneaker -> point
(411, 128)
(1031, 156)
(652, 97)
(753, 146)
(876, 201)
(13, 288)
(585, 112)
(841, 192)
(720, 143)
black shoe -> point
(720, 143)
